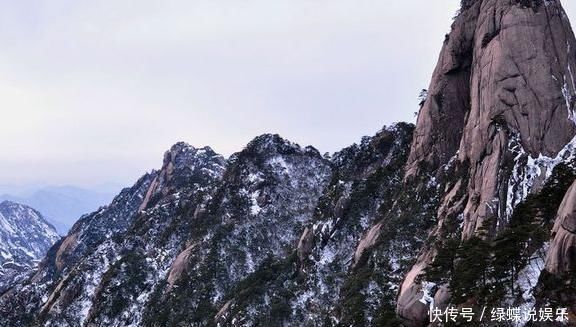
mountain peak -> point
(25, 237)
(185, 165)
(465, 4)
(7, 203)
(186, 147)
(184, 156)
(274, 144)
(269, 140)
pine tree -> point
(441, 270)
(471, 270)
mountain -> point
(25, 237)
(504, 85)
(206, 238)
(62, 205)
(472, 207)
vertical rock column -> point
(519, 57)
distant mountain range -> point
(62, 205)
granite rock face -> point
(502, 64)
(558, 279)
(561, 258)
(503, 90)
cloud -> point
(106, 86)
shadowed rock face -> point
(440, 121)
(562, 254)
(504, 77)
(502, 63)
(557, 281)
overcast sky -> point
(95, 91)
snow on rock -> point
(25, 237)
(529, 174)
(526, 282)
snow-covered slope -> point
(25, 237)
(267, 236)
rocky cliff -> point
(505, 86)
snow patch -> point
(528, 279)
(254, 207)
(527, 170)
(428, 296)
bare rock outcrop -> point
(504, 77)
(179, 265)
(558, 279)
(305, 244)
(440, 120)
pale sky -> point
(95, 91)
